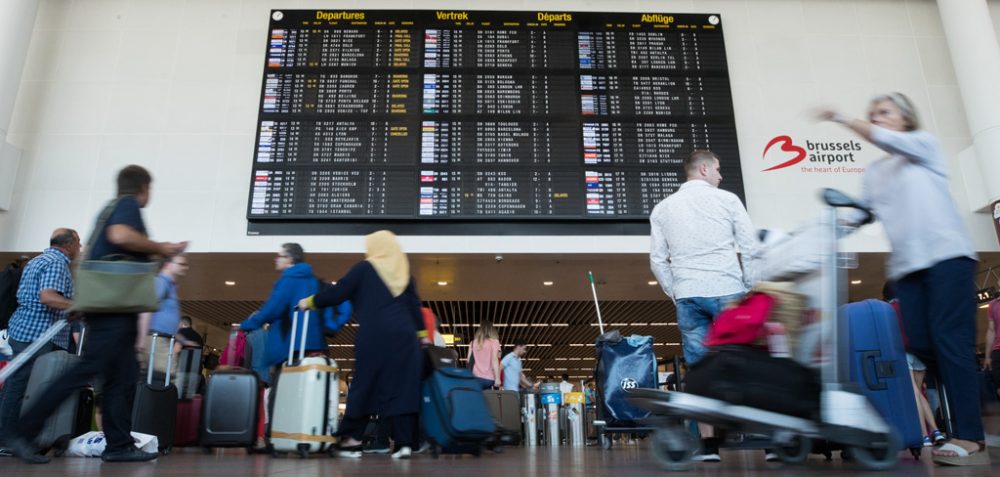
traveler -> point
(703, 251)
(109, 336)
(44, 295)
(388, 363)
(187, 336)
(932, 260)
(565, 387)
(165, 322)
(513, 376)
(484, 355)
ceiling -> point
(558, 321)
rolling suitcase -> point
(878, 366)
(188, 373)
(154, 410)
(230, 409)
(454, 412)
(306, 400)
(188, 422)
(505, 407)
(74, 415)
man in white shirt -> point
(699, 235)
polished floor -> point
(623, 460)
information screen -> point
(532, 117)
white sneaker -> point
(403, 453)
(771, 457)
(707, 458)
(426, 446)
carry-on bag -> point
(188, 422)
(74, 415)
(878, 366)
(231, 410)
(505, 407)
(306, 399)
(154, 409)
(454, 412)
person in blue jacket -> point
(297, 282)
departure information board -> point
(431, 116)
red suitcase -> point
(188, 422)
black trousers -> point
(110, 352)
(404, 428)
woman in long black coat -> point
(387, 345)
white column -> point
(975, 54)
(17, 20)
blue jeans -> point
(939, 316)
(13, 391)
(694, 315)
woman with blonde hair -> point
(484, 355)
(933, 262)
(386, 347)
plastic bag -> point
(92, 444)
(624, 364)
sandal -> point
(937, 437)
(962, 456)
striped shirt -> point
(50, 270)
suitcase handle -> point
(868, 367)
(152, 360)
(291, 340)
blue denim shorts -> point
(694, 316)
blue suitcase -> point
(454, 413)
(878, 366)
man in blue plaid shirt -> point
(44, 295)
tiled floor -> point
(628, 460)
(519, 462)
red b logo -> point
(787, 146)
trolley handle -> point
(837, 199)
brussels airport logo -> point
(816, 156)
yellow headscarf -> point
(382, 250)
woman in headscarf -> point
(387, 345)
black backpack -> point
(10, 278)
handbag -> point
(114, 284)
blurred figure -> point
(484, 355)
(932, 260)
(513, 374)
(993, 342)
(165, 322)
(388, 362)
(112, 338)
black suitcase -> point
(230, 414)
(73, 417)
(154, 410)
(231, 411)
(749, 377)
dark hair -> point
(565, 377)
(294, 251)
(132, 179)
(186, 320)
(519, 343)
(696, 157)
(63, 237)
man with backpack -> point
(44, 294)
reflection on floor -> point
(631, 460)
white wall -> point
(173, 85)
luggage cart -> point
(810, 259)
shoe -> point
(938, 437)
(928, 442)
(353, 452)
(403, 453)
(771, 457)
(27, 452)
(377, 450)
(131, 454)
(426, 446)
(5, 453)
(707, 458)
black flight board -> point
(473, 115)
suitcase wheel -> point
(915, 452)
(796, 452)
(673, 448)
(606, 442)
(303, 451)
(883, 457)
